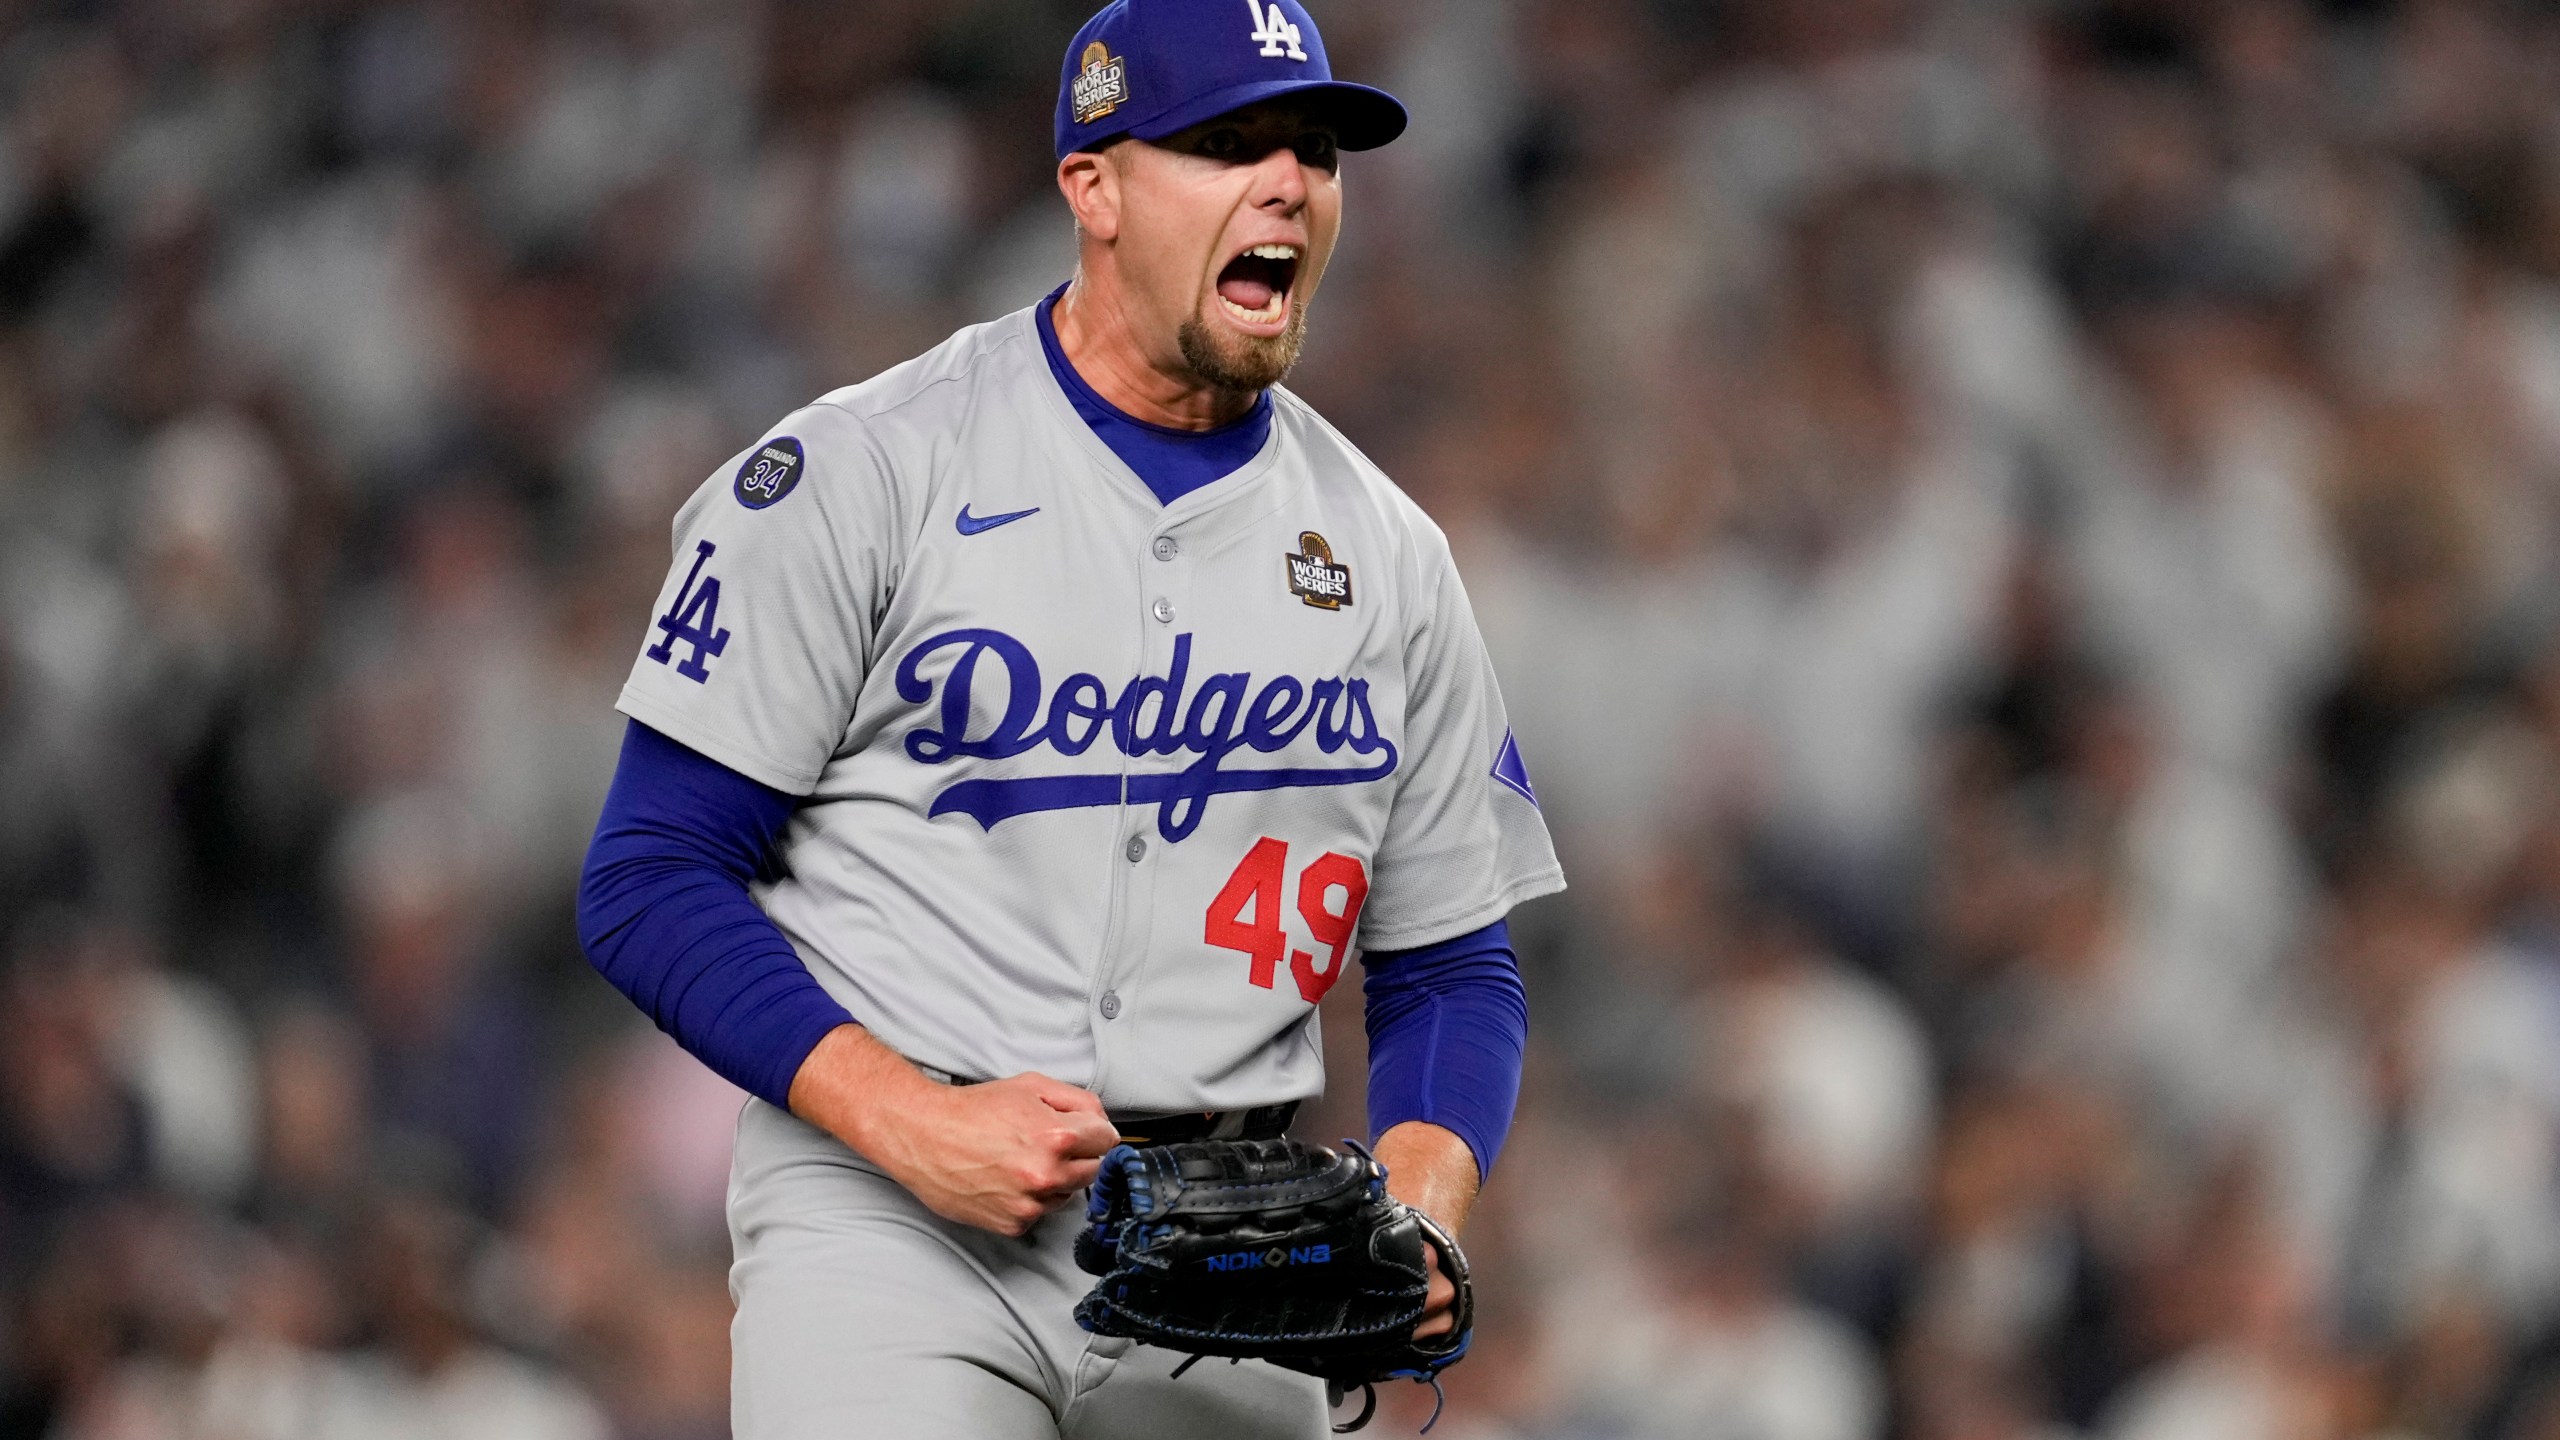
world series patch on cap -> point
(1149, 68)
(1100, 85)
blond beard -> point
(1242, 363)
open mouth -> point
(1255, 285)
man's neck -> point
(1095, 332)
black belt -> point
(1262, 1122)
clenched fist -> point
(998, 1155)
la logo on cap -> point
(1102, 83)
(1273, 32)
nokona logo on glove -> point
(1272, 1259)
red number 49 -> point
(1256, 885)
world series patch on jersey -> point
(1096, 786)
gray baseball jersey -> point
(1097, 786)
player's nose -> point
(1279, 182)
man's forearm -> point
(1432, 1170)
(846, 1082)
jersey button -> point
(1167, 547)
(1110, 1004)
(1136, 849)
(1164, 610)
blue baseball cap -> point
(1148, 68)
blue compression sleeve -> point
(1448, 1026)
(664, 913)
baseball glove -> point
(1270, 1250)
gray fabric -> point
(861, 1313)
(1074, 940)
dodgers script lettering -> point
(1150, 715)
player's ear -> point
(1091, 184)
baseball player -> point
(1026, 740)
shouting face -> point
(1219, 235)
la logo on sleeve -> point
(694, 619)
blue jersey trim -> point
(1513, 771)
(1173, 463)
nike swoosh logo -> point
(977, 525)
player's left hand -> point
(1436, 1318)
(1432, 1170)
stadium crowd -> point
(2022, 538)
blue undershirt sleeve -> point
(1448, 1027)
(665, 914)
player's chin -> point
(1239, 356)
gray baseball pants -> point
(861, 1313)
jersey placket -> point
(1117, 1002)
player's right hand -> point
(999, 1155)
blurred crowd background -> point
(2022, 540)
